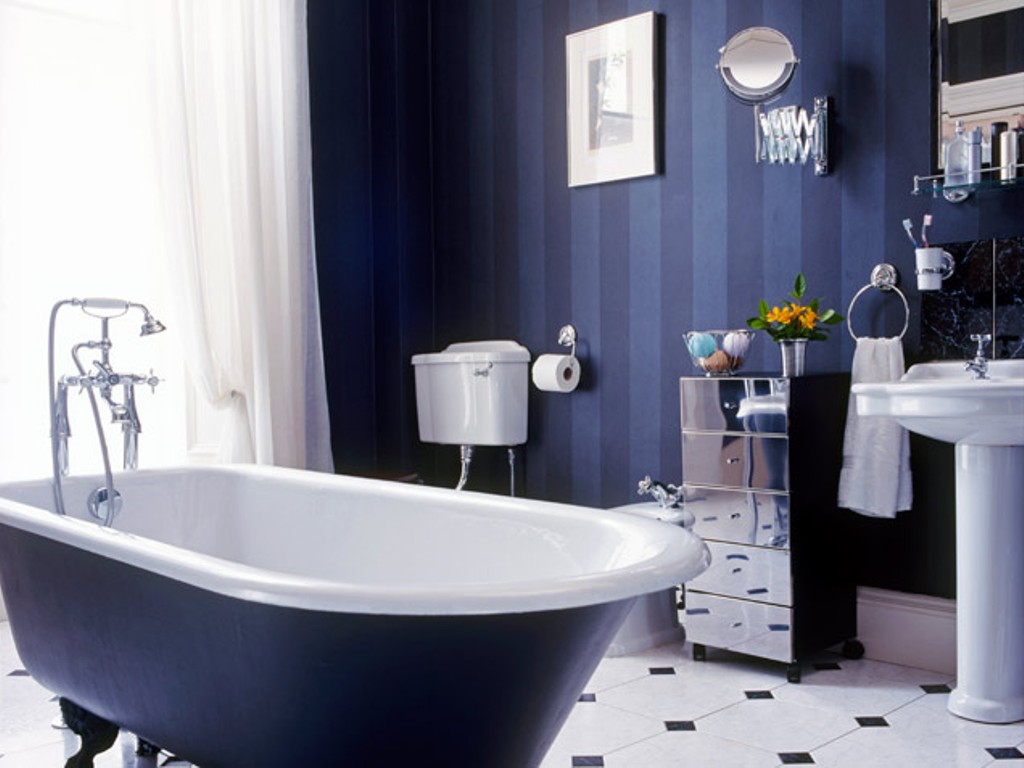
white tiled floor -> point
(684, 713)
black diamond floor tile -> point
(1004, 753)
(680, 725)
(872, 722)
(796, 758)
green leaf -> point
(762, 309)
(757, 323)
(799, 285)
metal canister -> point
(1009, 154)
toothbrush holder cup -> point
(933, 266)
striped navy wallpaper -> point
(443, 214)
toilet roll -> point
(556, 373)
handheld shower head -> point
(151, 325)
(107, 309)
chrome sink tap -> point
(979, 365)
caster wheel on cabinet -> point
(793, 673)
(145, 748)
(853, 649)
(699, 652)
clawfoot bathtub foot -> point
(97, 734)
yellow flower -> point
(794, 320)
(807, 317)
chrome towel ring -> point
(883, 277)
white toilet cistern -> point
(474, 394)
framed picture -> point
(610, 79)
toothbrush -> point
(924, 228)
(907, 225)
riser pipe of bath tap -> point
(108, 474)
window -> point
(77, 219)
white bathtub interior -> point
(383, 537)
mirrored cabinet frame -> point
(761, 457)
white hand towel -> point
(875, 478)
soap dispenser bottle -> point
(956, 162)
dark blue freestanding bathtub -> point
(248, 616)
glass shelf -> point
(935, 185)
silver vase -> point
(793, 354)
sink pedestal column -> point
(990, 583)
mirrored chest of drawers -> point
(761, 461)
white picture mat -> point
(611, 88)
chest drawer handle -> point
(733, 460)
(727, 406)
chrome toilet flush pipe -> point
(465, 459)
(104, 502)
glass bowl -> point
(718, 353)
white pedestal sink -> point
(985, 419)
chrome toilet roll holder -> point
(567, 337)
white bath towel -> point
(875, 479)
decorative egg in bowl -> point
(718, 353)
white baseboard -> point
(902, 628)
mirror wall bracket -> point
(788, 135)
(756, 66)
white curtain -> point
(230, 88)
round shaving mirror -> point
(757, 64)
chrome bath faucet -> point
(102, 378)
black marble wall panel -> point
(985, 294)
(1008, 298)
